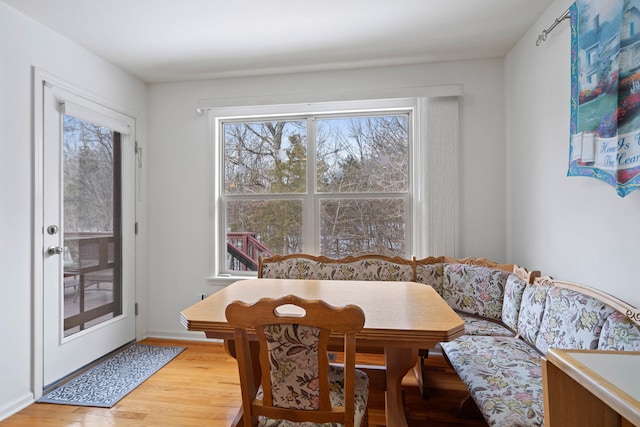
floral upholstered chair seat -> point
(336, 379)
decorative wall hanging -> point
(605, 92)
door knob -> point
(55, 250)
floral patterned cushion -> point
(619, 333)
(474, 325)
(534, 299)
(504, 378)
(571, 320)
(293, 357)
(293, 268)
(474, 289)
(336, 379)
(365, 269)
(371, 269)
(431, 274)
(294, 374)
(513, 290)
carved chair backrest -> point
(293, 335)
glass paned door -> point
(92, 237)
(88, 226)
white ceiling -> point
(172, 40)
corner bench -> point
(503, 372)
(512, 317)
(481, 310)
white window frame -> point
(434, 197)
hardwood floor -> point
(200, 387)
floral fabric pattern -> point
(294, 268)
(513, 290)
(473, 289)
(432, 275)
(504, 378)
(336, 381)
(372, 269)
(501, 370)
(369, 269)
(571, 320)
(534, 299)
(474, 325)
(619, 333)
(293, 357)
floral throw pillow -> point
(572, 320)
(534, 298)
(513, 290)
(431, 274)
(474, 289)
(619, 333)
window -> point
(592, 56)
(337, 179)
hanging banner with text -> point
(605, 92)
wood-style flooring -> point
(200, 387)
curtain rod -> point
(543, 35)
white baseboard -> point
(179, 335)
(15, 406)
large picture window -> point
(334, 179)
(335, 184)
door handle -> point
(55, 250)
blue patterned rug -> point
(109, 381)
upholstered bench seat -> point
(503, 375)
(512, 317)
(475, 325)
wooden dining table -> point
(400, 319)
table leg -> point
(398, 362)
(230, 347)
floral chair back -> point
(286, 378)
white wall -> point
(24, 44)
(179, 161)
(529, 212)
(572, 228)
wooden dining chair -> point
(293, 381)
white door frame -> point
(41, 78)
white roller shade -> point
(106, 118)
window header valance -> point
(453, 90)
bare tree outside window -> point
(88, 192)
(92, 223)
(357, 204)
(363, 155)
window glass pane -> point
(359, 226)
(265, 157)
(363, 154)
(261, 228)
(92, 232)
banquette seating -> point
(446, 275)
(503, 372)
(512, 317)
